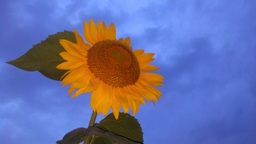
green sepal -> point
(44, 56)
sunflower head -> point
(113, 63)
(117, 76)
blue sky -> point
(205, 48)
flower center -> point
(113, 63)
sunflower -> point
(117, 76)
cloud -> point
(206, 51)
(207, 88)
(36, 110)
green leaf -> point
(101, 140)
(74, 136)
(94, 135)
(126, 126)
(44, 57)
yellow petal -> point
(147, 67)
(81, 42)
(115, 106)
(138, 52)
(87, 33)
(65, 74)
(71, 48)
(69, 57)
(95, 83)
(101, 31)
(149, 96)
(77, 93)
(126, 42)
(100, 100)
(125, 108)
(71, 89)
(76, 75)
(121, 97)
(111, 32)
(96, 96)
(134, 95)
(135, 107)
(144, 60)
(103, 104)
(92, 32)
(85, 89)
(152, 78)
(145, 57)
(69, 65)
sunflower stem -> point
(91, 123)
(93, 118)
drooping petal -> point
(122, 99)
(100, 100)
(115, 106)
(78, 92)
(84, 89)
(71, 89)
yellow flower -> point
(117, 76)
